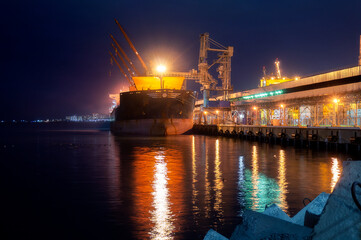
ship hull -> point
(153, 113)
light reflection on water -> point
(105, 187)
(218, 183)
(282, 181)
(161, 215)
(255, 180)
(193, 183)
(336, 172)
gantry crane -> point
(223, 61)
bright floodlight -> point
(161, 69)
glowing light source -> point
(161, 68)
(205, 112)
(335, 100)
(262, 95)
(254, 108)
(217, 111)
(282, 106)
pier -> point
(322, 109)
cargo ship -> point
(155, 111)
(156, 104)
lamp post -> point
(283, 114)
(161, 70)
(336, 101)
(256, 117)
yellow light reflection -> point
(161, 215)
(282, 182)
(255, 179)
(336, 172)
(194, 176)
(218, 182)
(207, 206)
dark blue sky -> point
(54, 54)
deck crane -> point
(223, 60)
(124, 54)
(131, 82)
(122, 59)
(132, 46)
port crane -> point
(203, 76)
(223, 61)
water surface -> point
(88, 184)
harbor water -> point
(89, 184)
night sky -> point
(55, 61)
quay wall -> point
(338, 136)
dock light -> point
(335, 100)
(297, 78)
(282, 106)
(161, 69)
(254, 108)
(217, 111)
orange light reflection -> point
(255, 180)
(161, 215)
(336, 172)
(218, 183)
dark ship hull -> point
(153, 112)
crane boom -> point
(124, 54)
(132, 46)
(122, 59)
(120, 68)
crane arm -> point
(124, 54)
(122, 59)
(120, 68)
(132, 46)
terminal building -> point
(325, 100)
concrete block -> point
(315, 208)
(213, 235)
(311, 219)
(261, 226)
(341, 218)
(277, 212)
